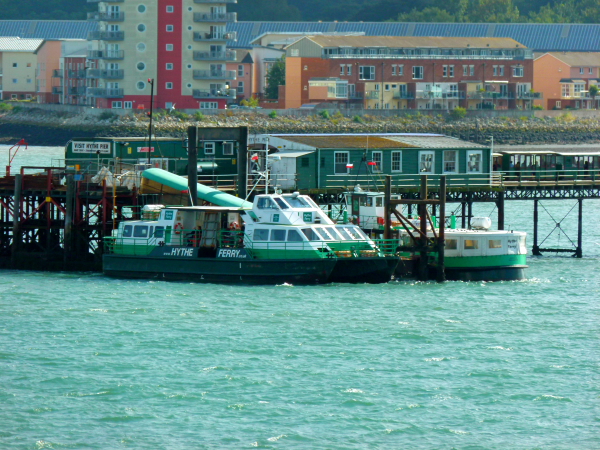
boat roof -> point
(207, 208)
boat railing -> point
(387, 246)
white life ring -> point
(178, 228)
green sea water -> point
(88, 362)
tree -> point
(492, 11)
(275, 78)
(593, 93)
(427, 15)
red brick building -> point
(423, 73)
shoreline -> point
(42, 127)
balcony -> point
(105, 92)
(489, 95)
(214, 1)
(214, 74)
(215, 17)
(107, 74)
(215, 56)
(106, 36)
(403, 95)
(76, 90)
(57, 73)
(105, 54)
(373, 95)
(75, 73)
(215, 93)
(204, 37)
(530, 95)
(106, 16)
(57, 89)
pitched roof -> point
(15, 44)
(577, 59)
(420, 42)
(47, 29)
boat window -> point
(323, 232)
(128, 231)
(140, 231)
(335, 233)
(261, 234)
(297, 202)
(159, 232)
(266, 203)
(311, 234)
(278, 235)
(471, 244)
(369, 201)
(311, 202)
(356, 233)
(495, 243)
(451, 244)
(294, 236)
(378, 201)
(344, 233)
(281, 203)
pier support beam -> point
(500, 206)
(579, 251)
(536, 248)
(469, 210)
(422, 268)
(441, 267)
(193, 164)
(69, 207)
(16, 231)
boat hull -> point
(364, 270)
(512, 273)
(216, 270)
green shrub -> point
(107, 115)
(179, 114)
(325, 114)
(458, 113)
(5, 106)
(538, 107)
(338, 115)
(358, 119)
(199, 116)
(273, 114)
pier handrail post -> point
(16, 232)
(441, 244)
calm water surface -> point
(88, 362)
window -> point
(128, 231)
(170, 28)
(518, 71)
(209, 148)
(169, 47)
(278, 235)
(141, 27)
(169, 85)
(581, 70)
(471, 244)
(451, 244)
(495, 243)
(366, 72)
(140, 231)
(387, 87)
(417, 72)
(141, 66)
(240, 70)
(209, 105)
(451, 71)
(501, 71)
(474, 161)
(141, 8)
(141, 47)
(117, 105)
(141, 85)
(13, 96)
(261, 234)
(29, 65)
(29, 80)
(228, 148)
(396, 161)
(495, 71)
(591, 71)
(394, 68)
(558, 104)
(426, 162)
(450, 161)
(305, 162)
(401, 70)
(341, 163)
(342, 69)
(472, 71)
(170, 9)
(15, 64)
(128, 105)
(294, 236)
(465, 71)
(15, 81)
(376, 157)
(445, 71)
(349, 69)
(240, 87)
(169, 66)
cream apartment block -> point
(17, 68)
(175, 49)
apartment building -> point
(244, 68)
(423, 73)
(564, 79)
(173, 49)
(17, 68)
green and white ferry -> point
(276, 239)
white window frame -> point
(169, 66)
(209, 105)
(342, 69)
(581, 70)
(445, 71)
(169, 47)
(170, 8)
(470, 168)
(472, 71)
(451, 71)
(240, 70)
(127, 105)
(398, 161)
(558, 104)
(240, 87)
(227, 148)
(415, 72)
(170, 28)
(116, 104)
(501, 71)
(361, 72)
(401, 70)
(349, 69)
(445, 160)
(518, 71)
(422, 169)
(377, 157)
(209, 148)
(394, 68)
(168, 85)
(336, 163)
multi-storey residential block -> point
(61, 73)
(565, 79)
(381, 72)
(178, 45)
(17, 68)
(244, 69)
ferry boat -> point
(475, 254)
(277, 239)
